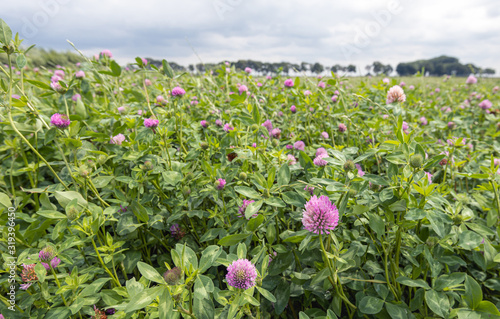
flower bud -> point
(243, 176)
(204, 145)
(443, 162)
(416, 161)
(352, 192)
(72, 213)
(254, 127)
(172, 276)
(186, 191)
(276, 143)
(349, 166)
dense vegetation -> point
(150, 193)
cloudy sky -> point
(355, 32)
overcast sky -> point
(327, 31)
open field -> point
(145, 193)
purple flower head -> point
(46, 254)
(204, 123)
(16, 96)
(276, 133)
(228, 127)
(411, 87)
(28, 273)
(342, 128)
(289, 147)
(147, 82)
(80, 74)
(267, 124)
(293, 109)
(321, 84)
(178, 91)
(307, 92)
(248, 70)
(471, 80)
(319, 161)
(299, 145)
(160, 100)
(292, 159)
(106, 53)
(121, 109)
(429, 177)
(220, 183)
(310, 189)
(485, 104)
(151, 123)
(176, 231)
(54, 263)
(218, 122)
(360, 171)
(386, 80)
(241, 274)
(289, 83)
(242, 88)
(254, 145)
(320, 151)
(324, 135)
(405, 126)
(144, 61)
(60, 120)
(241, 210)
(76, 97)
(117, 139)
(320, 215)
(451, 125)
(395, 94)
(423, 120)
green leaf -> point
(165, 305)
(58, 313)
(253, 208)
(39, 84)
(376, 224)
(438, 302)
(266, 294)
(167, 69)
(150, 273)
(116, 70)
(275, 201)
(40, 272)
(254, 223)
(233, 239)
(488, 307)
(248, 192)
(469, 240)
(94, 287)
(80, 109)
(139, 211)
(203, 308)
(303, 315)
(370, 305)
(51, 214)
(396, 311)
(203, 286)
(21, 61)
(143, 299)
(65, 197)
(5, 33)
(208, 257)
(5, 200)
(386, 194)
(271, 177)
(102, 181)
(445, 282)
(473, 293)
(376, 179)
(292, 198)
(413, 283)
(282, 296)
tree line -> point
(435, 67)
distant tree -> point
(489, 71)
(304, 66)
(191, 68)
(317, 68)
(351, 68)
(377, 67)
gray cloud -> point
(295, 31)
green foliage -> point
(139, 225)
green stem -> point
(103, 265)
(58, 284)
